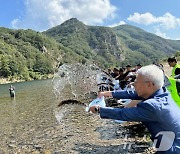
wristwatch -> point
(97, 109)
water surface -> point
(32, 122)
(26, 115)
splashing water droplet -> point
(75, 80)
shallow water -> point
(24, 116)
(33, 122)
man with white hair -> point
(157, 110)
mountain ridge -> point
(131, 43)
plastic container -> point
(98, 101)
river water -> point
(32, 122)
(24, 117)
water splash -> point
(73, 81)
(60, 114)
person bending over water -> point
(156, 110)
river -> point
(32, 122)
(24, 117)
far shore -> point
(6, 81)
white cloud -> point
(15, 22)
(167, 21)
(160, 25)
(44, 14)
(161, 34)
(146, 18)
(117, 24)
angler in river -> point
(157, 110)
(12, 91)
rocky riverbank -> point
(167, 70)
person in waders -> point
(12, 91)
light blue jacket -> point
(158, 113)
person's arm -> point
(123, 94)
(133, 103)
(177, 76)
(143, 112)
(117, 77)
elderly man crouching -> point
(157, 110)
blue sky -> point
(161, 17)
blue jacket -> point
(158, 113)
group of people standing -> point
(156, 108)
(124, 75)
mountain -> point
(98, 44)
(137, 41)
(27, 54)
(117, 46)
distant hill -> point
(113, 46)
(137, 42)
(27, 54)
